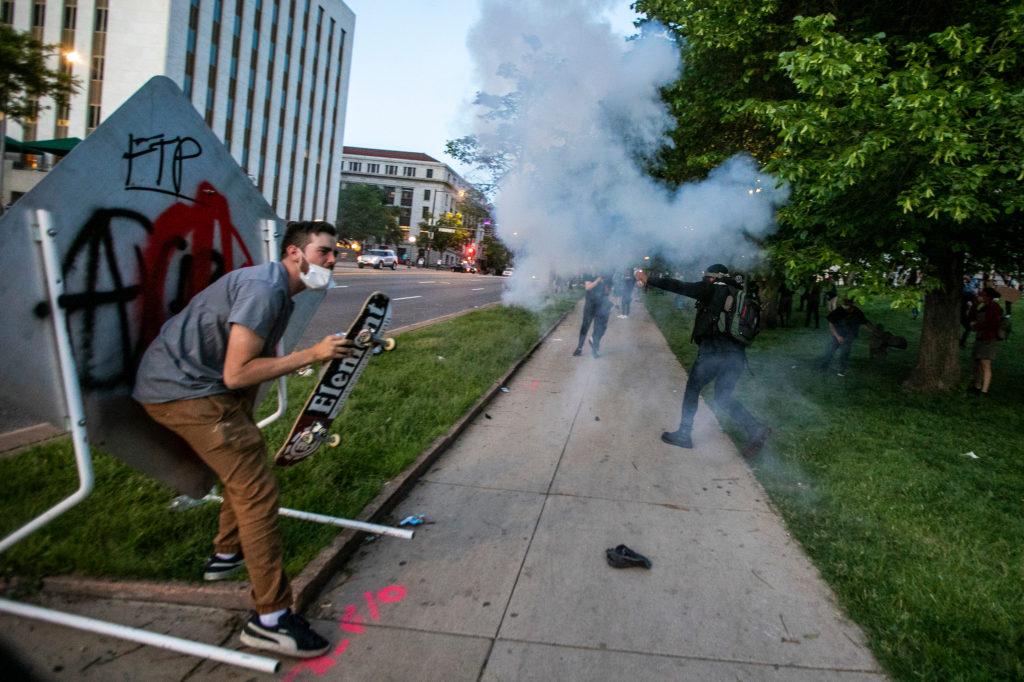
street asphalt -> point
(508, 580)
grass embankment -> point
(404, 400)
(923, 545)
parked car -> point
(464, 266)
(377, 259)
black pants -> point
(596, 313)
(725, 369)
(624, 302)
(812, 311)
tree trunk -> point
(938, 357)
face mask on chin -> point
(316, 277)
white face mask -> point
(316, 277)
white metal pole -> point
(374, 528)
(270, 253)
(69, 378)
(184, 646)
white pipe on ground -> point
(184, 646)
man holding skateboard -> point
(199, 378)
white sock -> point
(224, 557)
(269, 620)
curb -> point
(306, 586)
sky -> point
(412, 77)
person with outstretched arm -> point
(843, 326)
(199, 379)
(720, 358)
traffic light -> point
(470, 251)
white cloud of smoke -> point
(577, 108)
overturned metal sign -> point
(147, 211)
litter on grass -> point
(441, 358)
(971, 455)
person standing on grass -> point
(831, 294)
(199, 379)
(813, 304)
(596, 310)
(987, 318)
(843, 326)
(720, 357)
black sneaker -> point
(756, 442)
(292, 636)
(578, 352)
(678, 438)
(624, 557)
(222, 569)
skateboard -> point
(338, 377)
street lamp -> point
(73, 57)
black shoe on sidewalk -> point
(679, 438)
(292, 636)
(756, 442)
(578, 352)
(222, 569)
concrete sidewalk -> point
(510, 581)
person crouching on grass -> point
(199, 379)
(986, 320)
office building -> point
(270, 77)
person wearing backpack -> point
(988, 331)
(725, 323)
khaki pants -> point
(220, 429)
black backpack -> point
(733, 314)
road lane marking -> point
(478, 289)
(405, 298)
(430, 282)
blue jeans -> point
(844, 348)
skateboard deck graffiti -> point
(312, 427)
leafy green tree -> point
(364, 215)
(496, 256)
(25, 78)
(900, 130)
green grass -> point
(923, 546)
(404, 400)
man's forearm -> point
(259, 370)
(690, 289)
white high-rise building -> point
(269, 76)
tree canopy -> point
(363, 215)
(899, 128)
(25, 76)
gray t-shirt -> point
(187, 359)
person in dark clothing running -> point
(720, 358)
(596, 310)
(843, 325)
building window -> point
(70, 15)
(410, 171)
(426, 213)
(39, 14)
(7, 12)
(389, 195)
(430, 172)
(99, 24)
(426, 195)
(391, 170)
(355, 166)
(373, 168)
(94, 115)
(406, 196)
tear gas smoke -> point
(575, 110)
